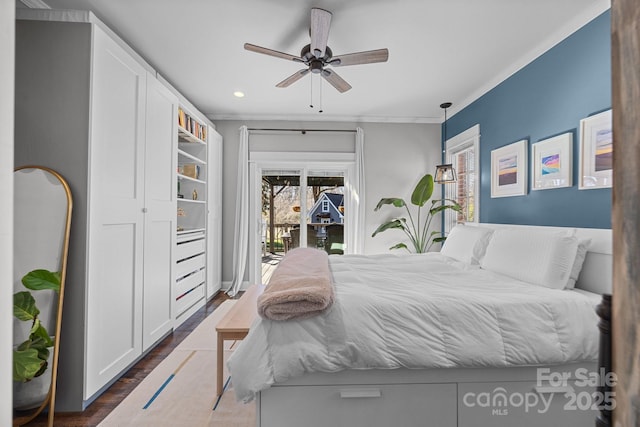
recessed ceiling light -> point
(238, 94)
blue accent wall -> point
(546, 98)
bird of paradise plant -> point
(417, 230)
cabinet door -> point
(116, 196)
(214, 217)
(160, 211)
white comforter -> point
(419, 311)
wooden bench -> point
(235, 326)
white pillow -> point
(581, 254)
(541, 258)
(467, 243)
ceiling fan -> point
(316, 56)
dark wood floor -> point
(104, 404)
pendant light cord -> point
(444, 106)
(445, 125)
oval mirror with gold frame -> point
(42, 220)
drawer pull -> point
(360, 393)
(550, 389)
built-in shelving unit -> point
(191, 186)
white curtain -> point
(356, 222)
(241, 234)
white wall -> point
(7, 38)
(396, 157)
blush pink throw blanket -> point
(300, 286)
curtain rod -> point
(301, 130)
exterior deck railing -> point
(286, 236)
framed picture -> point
(509, 170)
(552, 162)
(596, 152)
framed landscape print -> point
(509, 170)
(596, 152)
(552, 162)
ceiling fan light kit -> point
(316, 56)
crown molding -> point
(323, 118)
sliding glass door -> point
(298, 203)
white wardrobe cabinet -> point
(90, 108)
(160, 212)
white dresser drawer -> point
(190, 265)
(191, 281)
(523, 404)
(187, 300)
(189, 249)
(408, 405)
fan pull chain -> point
(320, 110)
(311, 96)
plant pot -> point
(31, 394)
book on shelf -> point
(191, 125)
(181, 118)
(191, 170)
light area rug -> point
(181, 390)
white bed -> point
(411, 341)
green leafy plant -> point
(30, 357)
(417, 230)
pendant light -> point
(445, 173)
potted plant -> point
(417, 230)
(30, 358)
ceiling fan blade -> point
(271, 52)
(293, 78)
(368, 57)
(336, 81)
(320, 22)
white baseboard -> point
(226, 285)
